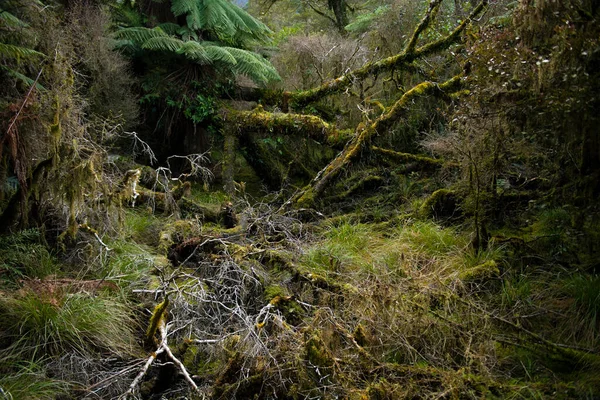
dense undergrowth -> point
(453, 254)
(280, 308)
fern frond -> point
(192, 9)
(163, 43)
(220, 54)
(23, 78)
(253, 65)
(125, 15)
(170, 28)
(194, 51)
(18, 52)
(10, 21)
(224, 19)
(140, 35)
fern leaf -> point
(10, 21)
(220, 54)
(192, 9)
(18, 52)
(194, 51)
(170, 28)
(139, 35)
(253, 66)
(163, 43)
(23, 78)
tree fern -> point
(232, 28)
(222, 18)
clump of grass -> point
(128, 263)
(585, 289)
(36, 324)
(431, 239)
(23, 254)
(143, 227)
(29, 382)
(345, 246)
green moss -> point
(157, 318)
(315, 351)
(177, 232)
(482, 272)
(440, 204)
(273, 291)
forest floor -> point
(296, 305)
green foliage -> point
(225, 20)
(30, 382)
(363, 22)
(53, 322)
(230, 28)
(23, 254)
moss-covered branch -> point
(315, 189)
(398, 61)
(285, 124)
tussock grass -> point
(30, 382)
(24, 255)
(41, 324)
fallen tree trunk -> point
(413, 162)
(307, 196)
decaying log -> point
(422, 162)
